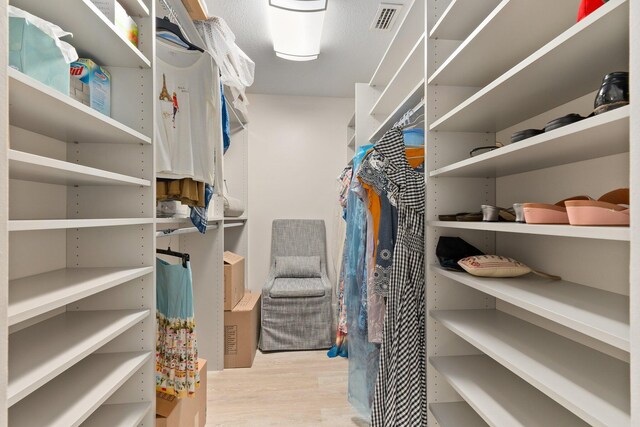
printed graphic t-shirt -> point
(185, 130)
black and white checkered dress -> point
(400, 390)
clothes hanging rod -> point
(234, 224)
(177, 231)
(407, 116)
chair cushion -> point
(289, 287)
(297, 266)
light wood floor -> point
(282, 389)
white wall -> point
(297, 148)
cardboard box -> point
(197, 9)
(241, 332)
(91, 85)
(233, 279)
(125, 25)
(187, 412)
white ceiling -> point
(349, 52)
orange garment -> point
(187, 191)
(415, 156)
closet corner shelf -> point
(411, 71)
(591, 384)
(481, 382)
(135, 8)
(352, 122)
(603, 135)
(38, 108)
(601, 233)
(31, 167)
(511, 32)
(461, 17)
(568, 67)
(352, 141)
(61, 224)
(118, 415)
(79, 391)
(35, 295)
(456, 414)
(408, 32)
(41, 352)
(416, 94)
(596, 313)
(94, 36)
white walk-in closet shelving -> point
(528, 351)
(80, 309)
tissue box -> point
(115, 13)
(34, 53)
(91, 85)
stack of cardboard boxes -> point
(241, 315)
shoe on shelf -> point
(545, 213)
(524, 134)
(494, 214)
(563, 121)
(610, 209)
(613, 93)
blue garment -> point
(174, 290)
(199, 215)
(363, 355)
(226, 132)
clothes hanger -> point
(163, 24)
(413, 124)
(185, 257)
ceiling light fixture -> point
(296, 28)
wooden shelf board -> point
(588, 383)
(568, 67)
(410, 73)
(500, 397)
(60, 224)
(94, 36)
(461, 17)
(602, 233)
(596, 313)
(603, 135)
(414, 97)
(41, 109)
(34, 168)
(119, 415)
(72, 397)
(408, 32)
(35, 295)
(43, 351)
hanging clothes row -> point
(381, 282)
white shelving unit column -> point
(4, 216)
(81, 289)
(567, 346)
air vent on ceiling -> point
(385, 16)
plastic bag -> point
(68, 52)
(236, 68)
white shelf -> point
(588, 383)
(43, 351)
(408, 32)
(508, 34)
(576, 142)
(120, 415)
(414, 97)
(568, 67)
(35, 295)
(94, 36)
(461, 17)
(235, 218)
(410, 73)
(500, 397)
(352, 141)
(456, 414)
(31, 167)
(135, 7)
(72, 397)
(352, 122)
(601, 233)
(41, 109)
(234, 224)
(596, 313)
(176, 220)
(60, 224)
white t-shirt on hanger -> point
(186, 109)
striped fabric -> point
(400, 397)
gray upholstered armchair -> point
(296, 301)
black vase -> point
(614, 92)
